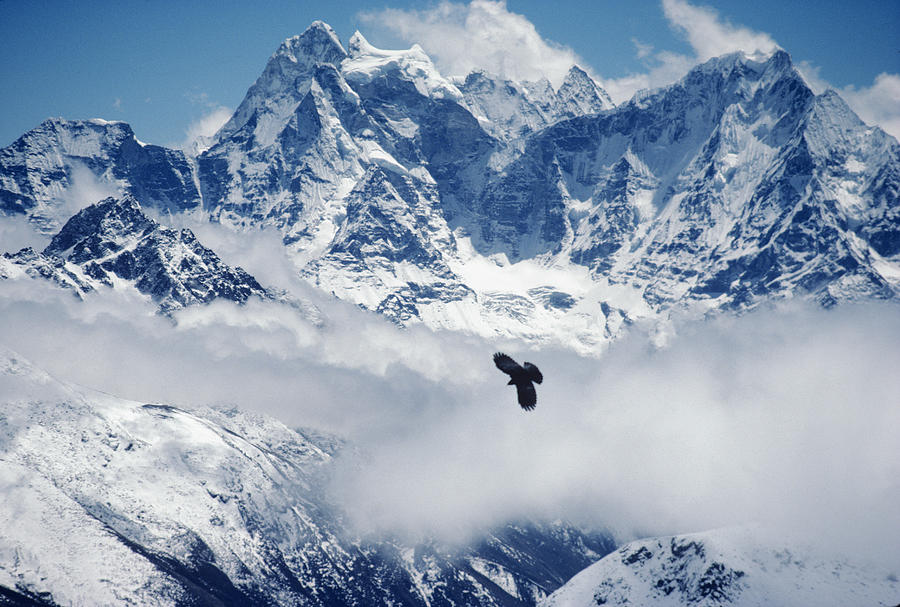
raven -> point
(520, 377)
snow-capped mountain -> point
(41, 169)
(725, 567)
(113, 244)
(122, 502)
(407, 192)
(513, 209)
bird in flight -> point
(520, 377)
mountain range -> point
(515, 209)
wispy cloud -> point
(877, 104)
(199, 131)
(710, 35)
(483, 34)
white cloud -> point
(878, 104)
(642, 50)
(481, 35)
(199, 131)
(783, 418)
(709, 35)
(85, 188)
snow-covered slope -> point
(725, 567)
(113, 244)
(115, 502)
(511, 209)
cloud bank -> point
(785, 418)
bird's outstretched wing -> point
(534, 374)
(527, 395)
(506, 364)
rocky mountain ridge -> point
(113, 244)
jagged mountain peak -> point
(113, 243)
(65, 163)
(741, 69)
(284, 82)
(778, 60)
(579, 94)
(76, 136)
(59, 124)
(114, 217)
(318, 43)
(744, 76)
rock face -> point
(114, 244)
(458, 202)
(723, 567)
(121, 502)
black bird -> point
(520, 377)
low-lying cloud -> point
(785, 418)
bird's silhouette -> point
(520, 377)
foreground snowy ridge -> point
(725, 567)
(121, 502)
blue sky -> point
(171, 69)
